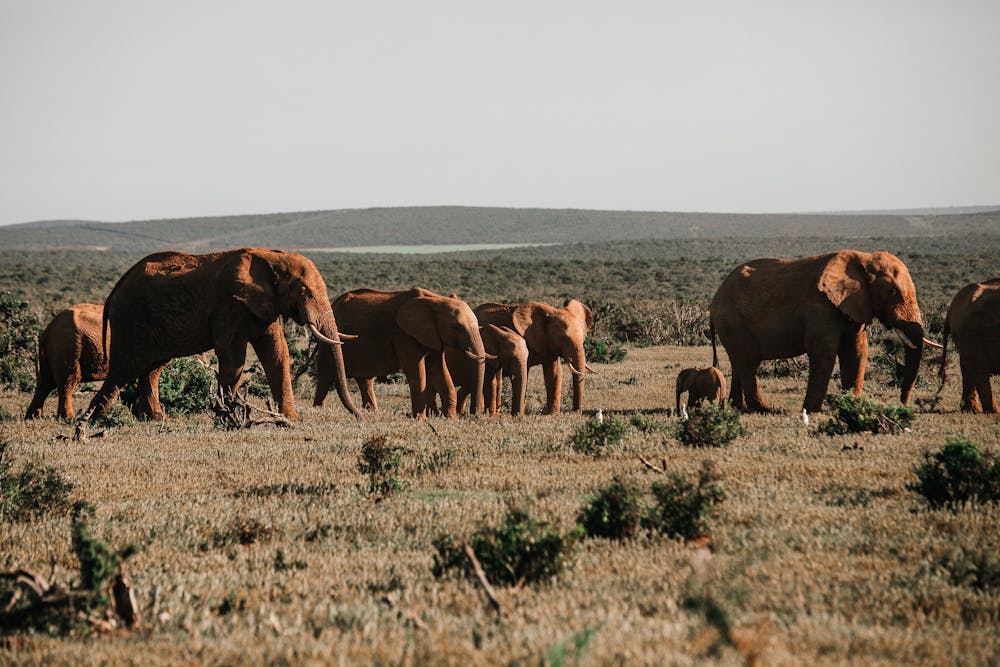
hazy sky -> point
(139, 109)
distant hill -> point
(465, 225)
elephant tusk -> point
(475, 356)
(930, 343)
(587, 366)
(319, 336)
(906, 341)
(575, 372)
(491, 357)
(341, 336)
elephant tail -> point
(942, 373)
(715, 352)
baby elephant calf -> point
(701, 384)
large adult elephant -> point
(172, 304)
(409, 331)
(506, 356)
(779, 308)
(551, 334)
(973, 320)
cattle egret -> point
(684, 412)
(805, 417)
(599, 416)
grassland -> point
(263, 545)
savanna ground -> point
(265, 544)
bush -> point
(595, 437)
(615, 512)
(521, 549)
(98, 562)
(857, 414)
(34, 492)
(116, 416)
(185, 387)
(709, 426)
(19, 331)
(380, 461)
(960, 472)
(682, 508)
(603, 352)
(644, 423)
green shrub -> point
(644, 423)
(186, 386)
(960, 472)
(595, 437)
(615, 512)
(682, 508)
(116, 416)
(709, 426)
(380, 461)
(521, 549)
(98, 561)
(603, 352)
(19, 331)
(34, 492)
(973, 568)
(857, 414)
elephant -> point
(506, 356)
(701, 384)
(821, 306)
(551, 334)
(173, 304)
(408, 330)
(973, 319)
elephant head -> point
(271, 283)
(437, 322)
(511, 353)
(684, 381)
(878, 285)
(552, 333)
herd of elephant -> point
(174, 304)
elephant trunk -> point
(328, 327)
(477, 407)
(914, 334)
(578, 363)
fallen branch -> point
(234, 412)
(662, 471)
(481, 575)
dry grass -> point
(820, 553)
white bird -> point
(684, 412)
(599, 416)
(805, 417)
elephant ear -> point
(531, 321)
(581, 312)
(416, 317)
(845, 283)
(252, 281)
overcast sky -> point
(137, 109)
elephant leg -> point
(367, 388)
(272, 351)
(745, 374)
(821, 363)
(970, 395)
(553, 387)
(416, 377)
(736, 396)
(43, 387)
(232, 358)
(985, 391)
(440, 378)
(149, 406)
(106, 395)
(65, 391)
(853, 355)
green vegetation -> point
(34, 492)
(186, 386)
(19, 330)
(379, 460)
(682, 508)
(960, 472)
(858, 414)
(615, 512)
(603, 352)
(522, 549)
(595, 438)
(709, 426)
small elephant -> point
(701, 384)
(973, 320)
(410, 331)
(506, 356)
(552, 334)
